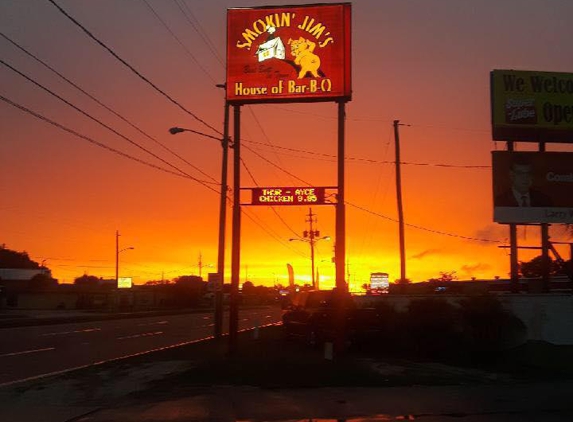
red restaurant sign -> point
(288, 54)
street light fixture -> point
(312, 240)
(218, 294)
(117, 252)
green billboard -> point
(532, 106)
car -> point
(312, 319)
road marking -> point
(99, 363)
(153, 323)
(87, 330)
(156, 333)
(25, 352)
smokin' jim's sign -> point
(288, 54)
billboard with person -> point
(532, 187)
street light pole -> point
(218, 296)
(218, 286)
(117, 252)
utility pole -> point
(311, 234)
(312, 237)
(399, 199)
(116, 257)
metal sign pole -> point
(236, 246)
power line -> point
(374, 213)
(422, 228)
(277, 166)
(368, 160)
(197, 62)
(100, 122)
(272, 208)
(79, 135)
(249, 172)
(199, 29)
(103, 105)
(130, 67)
(272, 234)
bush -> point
(487, 326)
(431, 329)
(436, 328)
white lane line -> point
(153, 323)
(25, 352)
(206, 317)
(156, 333)
(87, 330)
(120, 358)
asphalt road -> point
(30, 352)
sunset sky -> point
(424, 62)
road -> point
(30, 352)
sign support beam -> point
(236, 235)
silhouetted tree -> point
(157, 282)
(87, 280)
(248, 287)
(445, 277)
(402, 281)
(534, 268)
(189, 279)
(41, 282)
(13, 259)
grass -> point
(272, 362)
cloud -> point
(425, 253)
(478, 267)
(493, 232)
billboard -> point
(532, 106)
(124, 283)
(288, 53)
(288, 196)
(532, 187)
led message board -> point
(288, 53)
(288, 196)
(532, 187)
(532, 106)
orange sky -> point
(425, 63)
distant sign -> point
(532, 187)
(379, 282)
(532, 106)
(124, 283)
(288, 196)
(288, 53)
(214, 282)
